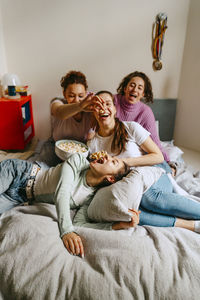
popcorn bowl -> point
(65, 148)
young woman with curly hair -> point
(134, 91)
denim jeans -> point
(159, 205)
(164, 165)
(14, 174)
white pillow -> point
(173, 152)
(157, 127)
(111, 203)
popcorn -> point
(102, 111)
(72, 147)
(98, 155)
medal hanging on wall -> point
(159, 29)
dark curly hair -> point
(73, 77)
(148, 93)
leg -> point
(158, 220)
(7, 175)
(6, 203)
(13, 179)
(161, 199)
(47, 154)
(154, 219)
(187, 224)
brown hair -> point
(120, 134)
(148, 93)
(73, 77)
(117, 176)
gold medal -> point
(159, 29)
(157, 65)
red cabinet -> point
(16, 123)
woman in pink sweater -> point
(133, 88)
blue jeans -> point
(14, 174)
(164, 165)
(159, 205)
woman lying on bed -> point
(128, 140)
(68, 185)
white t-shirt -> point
(136, 136)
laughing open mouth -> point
(103, 114)
(133, 95)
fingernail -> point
(82, 255)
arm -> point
(125, 225)
(65, 111)
(81, 220)
(153, 156)
(62, 196)
(149, 124)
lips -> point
(133, 95)
(103, 114)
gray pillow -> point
(111, 203)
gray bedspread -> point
(145, 263)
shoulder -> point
(58, 100)
(77, 161)
(117, 98)
(146, 110)
(135, 129)
(132, 125)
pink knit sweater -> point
(141, 113)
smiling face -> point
(74, 93)
(107, 166)
(134, 91)
(106, 116)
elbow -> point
(160, 158)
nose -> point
(136, 88)
(76, 99)
(108, 157)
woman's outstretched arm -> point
(153, 155)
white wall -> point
(3, 62)
(188, 120)
(106, 39)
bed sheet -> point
(145, 263)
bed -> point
(142, 263)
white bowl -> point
(64, 154)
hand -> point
(135, 219)
(173, 167)
(91, 103)
(73, 243)
(125, 225)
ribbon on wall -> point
(159, 29)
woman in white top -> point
(160, 206)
